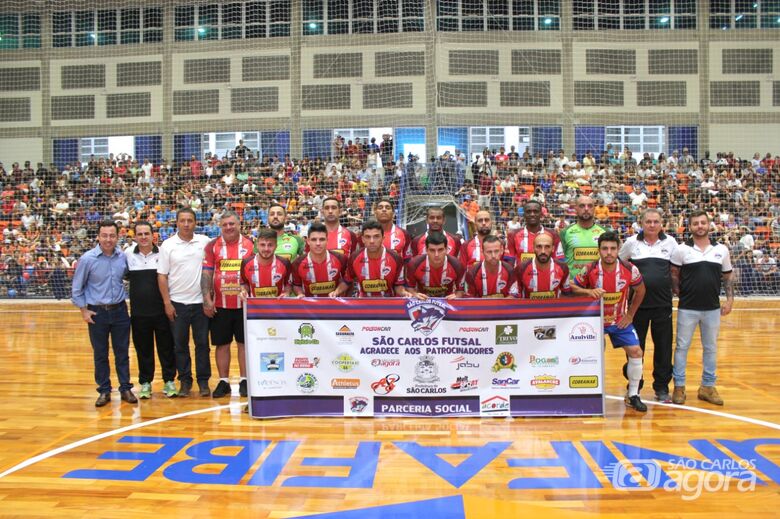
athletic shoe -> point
(636, 403)
(184, 389)
(678, 395)
(242, 388)
(663, 396)
(169, 389)
(710, 394)
(222, 389)
(204, 389)
(146, 391)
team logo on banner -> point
(426, 315)
(385, 385)
(505, 360)
(506, 334)
(358, 404)
(544, 333)
(273, 362)
(307, 383)
(426, 371)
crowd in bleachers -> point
(48, 215)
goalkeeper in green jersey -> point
(288, 246)
(580, 241)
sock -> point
(634, 376)
(226, 380)
(241, 379)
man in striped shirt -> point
(491, 277)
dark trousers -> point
(147, 329)
(191, 316)
(659, 322)
(114, 323)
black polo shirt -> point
(145, 298)
(653, 261)
(701, 272)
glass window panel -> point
(634, 22)
(584, 7)
(412, 8)
(447, 7)
(31, 24)
(770, 6)
(338, 10)
(231, 33)
(208, 14)
(153, 35)
(474, 24)
(583, 23)
(549, 7)
(106, 20)
(231, 14)
(497, 8)
(746, 21)
(362, 8)
(9, 24)
(387, 26)
(130, 37)
(31, 41)
(770, 21)
(685, 6)
(660, 6)
(85, 39)
(9, 42)
(280, 30)
(208, 33)
(609, 7)
(720, 22)
(61, 22)
(130, 19)
(660, 22)
(609, 22)
(280, 12)
(85, 21)
(472, 7)
(388, 8)
(523, 7)
(448, 24)
(746, 6)
(255, 12)
(720, 6)
(413, 25)
(312, 9)
(498, 24)
(106, 38)
(523, 23)
(684, 22)
(187, 34)
(549, 23)
(184, 15)
(362, 27)
(153, 17)
(255, 31)
(61, 40)
(633, 6)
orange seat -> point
(763, 232)
(529, 189)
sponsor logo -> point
(473, 329)
(271, 332)
(544, 333)
(271, 335)
(358, 404)
(385, 385)
(273, 362)
(505, 382)
(425, 315)
(497, 405)
(307, 383)
(371, 286)
(345, 362)
(582, 332)
(385, 363)
(542, 362)
(461, 362)
(584, 381)
(577, 360)
(345, 383)
(345, 334)
(505, 360)
(426, 371)
(305, 363)
(271, 385)
(425, 409)
(506, 334)
(545, 382)
(464, 384)
(306, 331)
(586, 254)
(376, 328)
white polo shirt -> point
(182, 262)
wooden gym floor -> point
(51, 436)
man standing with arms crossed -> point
(520, 243)
(698, 267)
(100, 295)
(148, 319)
(471, 252)
(580, 241)
(178, 276)
(651, 251)
(491, 277)
(220, 285)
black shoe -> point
(636, 403)
(204, 389)
(184, 389)
(223, 389)
(128, 397)
(102, 399)
(242, 388)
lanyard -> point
(483, 274)
(535, 276)
(328, 267)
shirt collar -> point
(99, 251)
(641, 236)
(137, 249)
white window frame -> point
(646, 137)
(375, 19)
(646, 15)
(538, 16)
(93, 146)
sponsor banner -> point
(473, 354)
